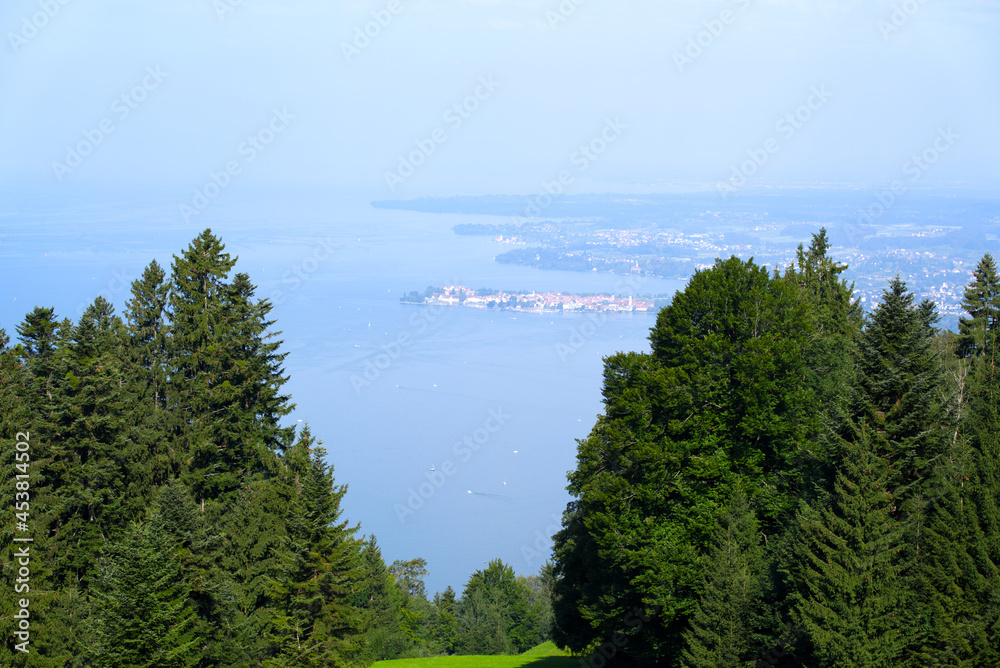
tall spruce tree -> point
(142, 616)
(981, 426)
(225, 372)
(898, 385)
(836, 318)
(728, 626)
(88, 413)
(249, 382)
(316, 623)
(211, 594)
(255, 533)
(58, 607)
(197, 293)
(381, 602)
(16, 386)
(956, 574)
(978, 332)
(146, 315)
(852, 595)
(39, 334)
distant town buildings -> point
(459, 295)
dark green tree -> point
(727, 628)
(980, 426)
(16, 388)
(255, 534)
(197, 294)
(835, 321)
(39, 334)
(495, 616)
(898, 385)
(956, 575)
(211, 593)
(87, 418)
(142, 616)
(382, 603)
(146, 316)
(316, 623)
(852, 592)
(225, 372)
(482, 627)
(446, 629)
(978, 332)
(723, 396)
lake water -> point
(492, 401)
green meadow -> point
(546, 655)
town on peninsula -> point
(538, 302)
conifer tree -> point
(495, 615)
(15, 388)
(956, 574)
(211, 593)
(316, 623)
(852, 592)
(249, 381)
(197, 294)
(39, 334)
(225, 372)
(898, 383)
(88, 414)
(28, 380)
(142, 615)
(255, 528)
(152, 453)
(381, 601)
(981, 426)
(446, 629)
(836, 319)
(978, 332)
(146, 315)
(482, 627)
(727, 626)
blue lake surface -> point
(492, 401)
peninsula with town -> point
(538, 302)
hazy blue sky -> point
(895, 82)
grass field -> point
(546, 655)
